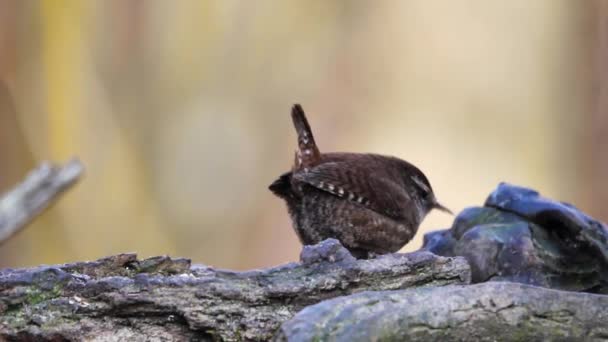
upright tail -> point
(308, 154)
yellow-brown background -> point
(179, 110)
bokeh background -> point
(180, 111)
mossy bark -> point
(122, 298)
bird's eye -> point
(425, 194)
(423, 189)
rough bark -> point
(29, 198)
(121, 298)
(483, 312)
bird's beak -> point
(440, 206)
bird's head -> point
(424, 195)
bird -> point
(373, 204)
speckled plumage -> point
(372, 204)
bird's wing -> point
(359, 185)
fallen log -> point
(121, 297)
(483, 312)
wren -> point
(372, 204)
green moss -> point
(19, 314)
(14, 317)
(159, 265)
(36, 295)
(13, 312)
(317, 339)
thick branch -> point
(166, 298)
(28, 199)
(483, 312)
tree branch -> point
(167, 298)
(27, 200)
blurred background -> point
(180, 111)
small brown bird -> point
(372, 204)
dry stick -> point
(27, 200)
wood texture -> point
(493, 311)
(121, 297)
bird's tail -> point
(308, 154)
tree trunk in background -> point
(596, 144)
(15, 157)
